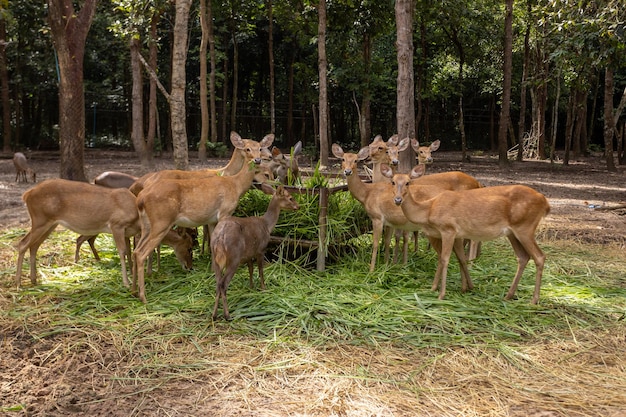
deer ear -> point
(393, 140)
(363, 153)
(417, 171)
(337, 151)
(297, 148)
(236, 140)
(415, 144)
(386, 171)
(435, 145)
(266, 188)
(276, 152)
(404, 144)
(267, 140)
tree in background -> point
(69, 30)
(505, 116)
(322, 65)
(4, 78)
(405, 87)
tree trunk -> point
(365, 113)
(204, 108)
(69, 30)
(225, 99)
(569, 128)
(4, 80)
(178, 115)
(521, 131)
(213, 58)
(609, 126)
(405, 85)
(322, 64)
(555, 117)
(505, 111)
(233, 100)
(136, 135)
(270, 41)
(152, 104)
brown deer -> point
(246, 150)
(479, 214)
(285, 166)
(374, 196)
(186, 203)
(424, 153)
(85, 209)
(22, 170)
(236, 240)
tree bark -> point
(204, 108)
(137, 136)
(4, 80)
(152, 104)
(178, 115)
(69, 30)
(505, 112)
(405, 86)
(609, 127)
(521, 131)
(322, 65)
(270, 48)
(213, 58)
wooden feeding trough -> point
(321, 244)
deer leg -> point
(447, 243)
(79, 242)
(251, 271)
(459, 251)
(259, 262)
(405, 248)
(141, 253)
(387, 232)
(31, 241)
(436, 245)
(377, 231)
(122, 250)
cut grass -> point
(377, 333)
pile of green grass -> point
(346, 303)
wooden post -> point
(323, 223)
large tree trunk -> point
(322, 64)
(178, 115)
(4, 80)
(365, 111)
(233, 100)
(405, 86)
(213, 58)
(204, 108)
(69, 30)
(505, 112)
(609, 126)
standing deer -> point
(377, 198)
(246, 150)
(480, 214)
(186, 203)
(85, 209)
(424, 153)
(22, 170)
(236, 240)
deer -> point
(375, 196)
(285, 166)
(22, 170)
(86, 209)
(185, 203)
(109, 179)
(480, 214)
(237, 240)
(245, 150)
(381, 152)
(424, 153)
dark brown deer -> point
(237, 240)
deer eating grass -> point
(479, 214)
(86, 209)
(236, 240)
(186, 203)
(22, 170)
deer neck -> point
(416, 206)
(270, 218)
(235, 164)
(357, 187)
(243, 179)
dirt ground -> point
(582, 198)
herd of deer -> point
(163, 207)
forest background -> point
(86, 74)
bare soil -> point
(584, 200)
